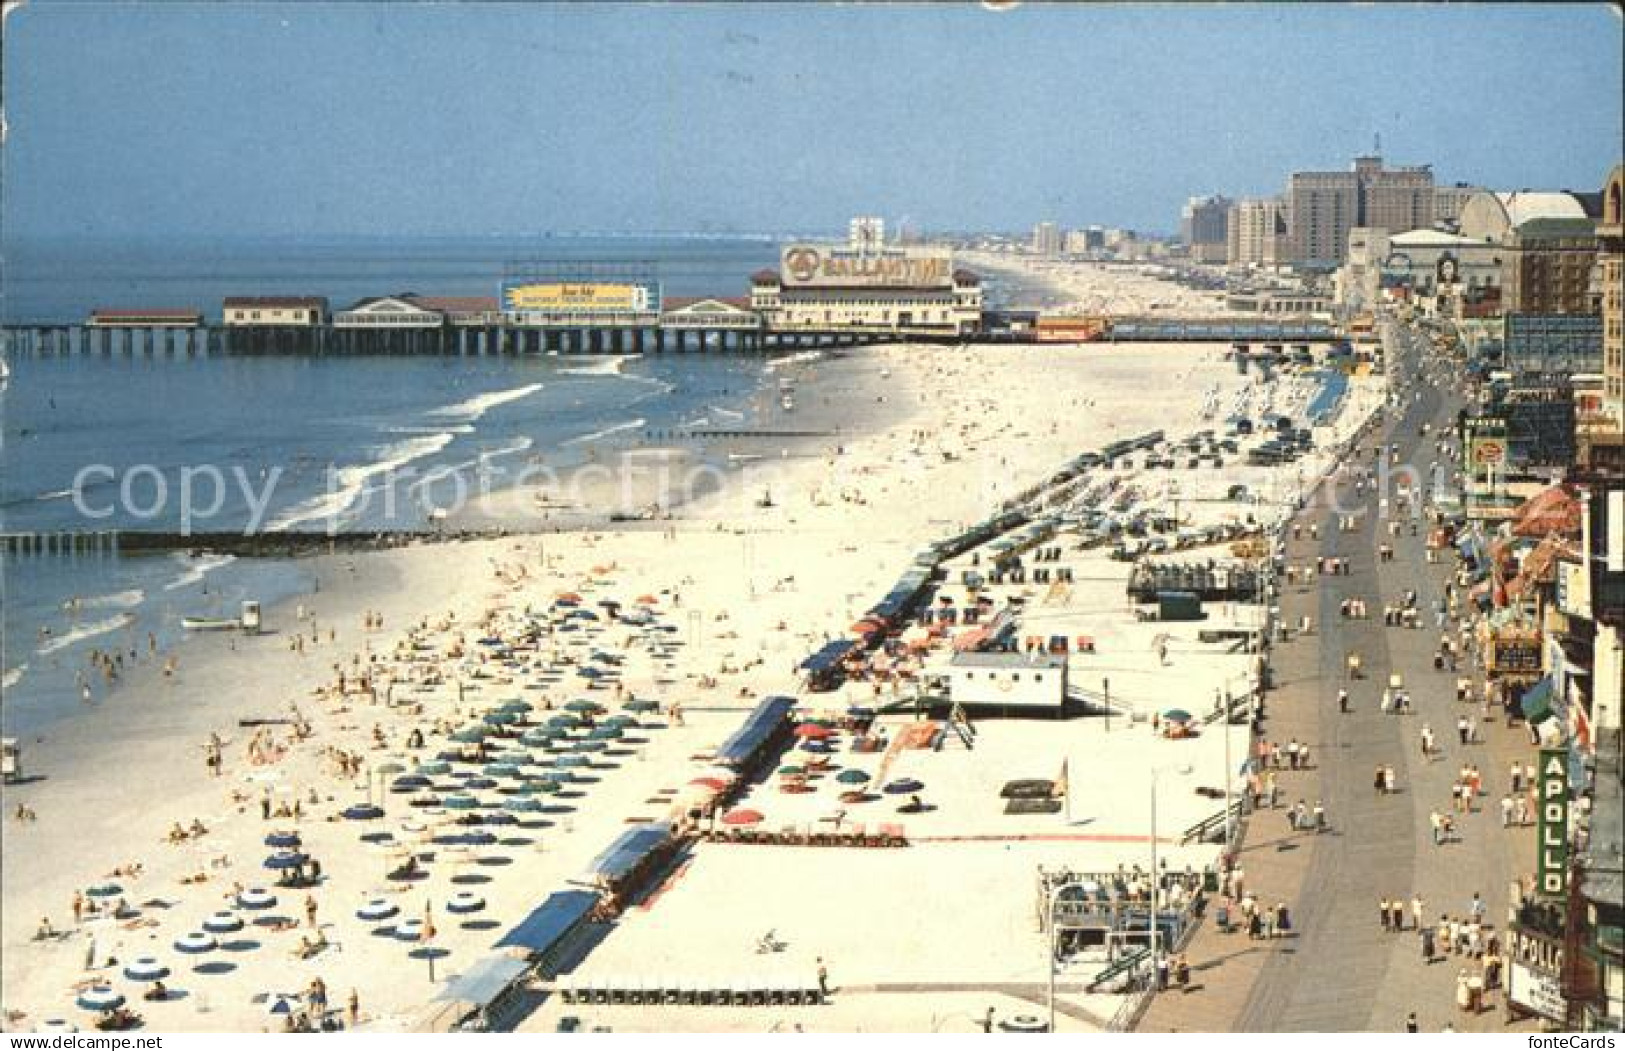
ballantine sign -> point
(1552, 867)
(806, 266)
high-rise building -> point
(1204, 226)
(1256, 231)
(1077, 242)
(1448, 202)
(1549, 243)
(1322, 207)
(1046, 239)
(1607, 447)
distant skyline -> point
(222, 119)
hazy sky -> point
(153, 118)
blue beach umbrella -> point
(105, 890)
(589, 746)
(283, 840)
(145, 969)
(479, 784)
(470, 735)
(575, 761)
(377, 910)
(195, 942)
(461, 802)
(410, 783)
(523, 804)
(477, 838)
(852, 777)
(223, 923)
(363, 812)
(100, 998)
(903, 786)
(564, 720)
(500, 718)
(605, 733)
(437, 768)
(283, 860)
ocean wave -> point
(60, 494)
(518, 445)
(793, 359)
(13, 676)
(86, 631)
(348, 483)
(477, 406)
(115, 600)
(197, 568)
(600, 366)
(720, 411)
(457, 428)
(629, 425)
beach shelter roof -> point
(768, 718)
(550, 922)
(629, 850)
(484, 981)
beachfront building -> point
(274, 311)
(1442, 273)
(1548, 243)
(1255, 232)
(1046, 239)
(1204, 226)
(1015, 682)
(144, 317)
(711, 314)
(1602, 435)
(387, 312)
(1322, 207)
(835, 288)
(482, 311)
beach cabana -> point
(764, 726)
(542, 934)
(633, 854)
(823, 669)
(476, 996)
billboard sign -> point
(1535, 973)
(581, 297)
(1552, 862)
(829, 266)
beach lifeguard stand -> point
(11, 760)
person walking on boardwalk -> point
(823, 977)
(1417, 906)
(1383, 914)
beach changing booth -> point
(546, 934)
(479, 999)
(763, 731)
(626, 863)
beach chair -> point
(615, 992)
(671, 992)
(600, 991)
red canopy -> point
(813, 730)
(716, 783)
(742, 817)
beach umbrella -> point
(464, 903)
(903, 786)
(524, 804)
(255, 898)
(279, 1005)
(542, 786)
(423, 800)
(590, 745)
(539, 737)
(575, 761)
(105, 890)
(815, 746)
(410, 783)
(283, 860)
(605, 733)
(195, 942)
(852, 777)
(410, 930)
(500, 770)
(625, 722)
(363, 812)
(477, 838)
(500, 718)
(438, 768)
(813, 731)
(145, 969)
(223, 923)
(389, 768)
(790, 770)
(647, 600)
(499, 817)
(100, 998)
(742, 817)
(564, 721)
(588, 672)
(566, 598)
(479, 784)
(641, 704)
(470, 735)
(1177, 715)
(377, 910)
(515, 756)
(583, 705)
(461, 802)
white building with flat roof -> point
(1029, 683)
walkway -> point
(1342, 971)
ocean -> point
(286, 443)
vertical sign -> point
(1552, 869)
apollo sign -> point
(812, 266)
(1552, 868)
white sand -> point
(760, 587)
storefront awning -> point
(1537, 701)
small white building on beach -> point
(1031, 682)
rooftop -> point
(275, 302)
(1007, 660)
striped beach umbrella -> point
(100, 998)
(145, 969)
(377, 910)
(195, 942)
(223, 923)
(256, 898)
(464, 903)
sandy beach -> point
(916, 442)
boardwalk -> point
(1342, 971)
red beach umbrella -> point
(714, 783)
(647, 600)
(742, 817)
(812, 730)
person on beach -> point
(823, 977)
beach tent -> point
(544, 931)
(630, 852)
(765, 723)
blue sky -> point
(215, 119)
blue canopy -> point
(483, 982)
(630, 849)
(769, 718)
(1537, 701)
(550, 922)
(827, 658)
